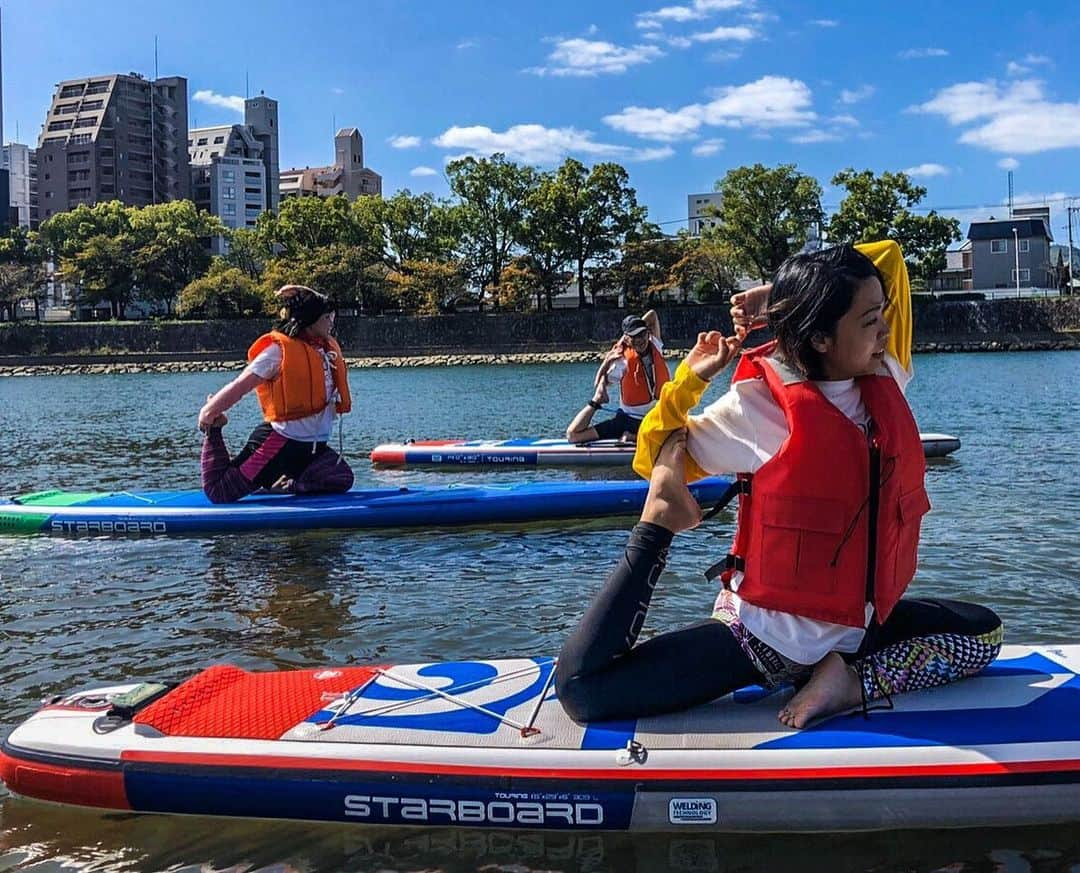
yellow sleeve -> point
(888, 258)
(672, 409)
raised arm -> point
(653, 321)
(216, 404)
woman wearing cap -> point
(636, 364)
(298, 373)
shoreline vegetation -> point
(210, 362)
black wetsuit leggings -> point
(603, 674)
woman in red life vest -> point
(298, 373)
(636, 364)
(831, 499)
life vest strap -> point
(723, 567)
(739, 486)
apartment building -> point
(347, 175)
(701, 211)
(228, 177)
(117, 137)
(20, 161)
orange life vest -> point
(299, 389)
(813, 537)
(635, 389)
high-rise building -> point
(119, 137)
(228, 175)
(347, 175)
(261, 117)
(20, 161)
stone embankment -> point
(503, 338)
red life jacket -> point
(635, 388)
(299, 389)
(807, 540)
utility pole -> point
(1069, 210)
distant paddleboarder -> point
(298, 372)
(636, 364)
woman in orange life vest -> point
(298, 372)
(831, 500)
(636, 363)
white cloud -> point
(849, 120)
(586, 57)
(212, 98)
(423, 171)
(771, 101)
(721, 56)
(855, 95)
(1020, 68)
(466, 44)
(678, 14)
(405, 142)
(1015, 117)
(725, 34)
(656, 123)
(338, 91)
(925, 171)
(1008, 163)
(815, 136)
(707, 147)
(536, 144)
(825, 22)
(914, 54)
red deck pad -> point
(101, 788)
(225, 701)
(287, 762)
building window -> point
(202, 141)
(60, 125)
(90, 105)
(86, 122)
(82, 137)
(229, 192)
(999, 246)
(1025, 275)
(229, 209)
(218, 140)
(72, 91)
(1025, 245)
(228, 175)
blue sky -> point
(678, 92)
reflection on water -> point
(77, 612)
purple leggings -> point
(312, 467)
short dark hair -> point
(810, 294)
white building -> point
(701, 211)
(347, 175)
(228, 175)
(21, 163)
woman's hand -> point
(210, 417)
(748, 309)
(712, 352)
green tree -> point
(493, 192)
(417, 227)
(343, 271)
(104, 269)
(23, 276)
(428, 287)
(879, 207)
(766, 214)
(172, 240)
(248, 252)
(545, 248)
(224, 292)
(517, 285)
(643, 273)
(708, 268)
(595, 210)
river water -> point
(76, 612)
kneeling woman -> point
(298, 373)
(831, 470)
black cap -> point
(632, 325)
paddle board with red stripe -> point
(486, 744)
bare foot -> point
(832, 688)
(669, 502)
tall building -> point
(261, 117)
(347, 175)
(119, 137)
(20, 161)
(228, 175)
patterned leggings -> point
(603, 673)
(311, 467)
